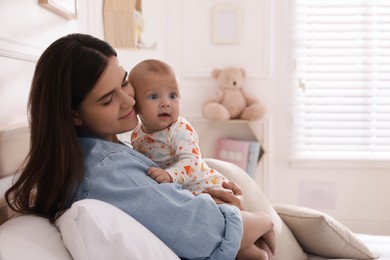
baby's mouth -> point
(163, 115)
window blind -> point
(341, 102)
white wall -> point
(23, 40)
(154, 31)
(354, 195)
(190, 50)
(21, 43)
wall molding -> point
(20, 51)
(263, 70)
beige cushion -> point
(286, 245)
(14, 147)
(322, 235)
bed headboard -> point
(14, 146)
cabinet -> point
(210, 131)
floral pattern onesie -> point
(176, 150)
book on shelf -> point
(244, 154)
(253, 158)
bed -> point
(95, 230)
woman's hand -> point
(159, 175)
(221, 196)
(270, 240)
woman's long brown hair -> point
(65, 73)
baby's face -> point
(157, 101)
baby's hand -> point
(159, 175)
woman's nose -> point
(127, 99)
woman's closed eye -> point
(107, 101)
(125, 84)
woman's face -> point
(108, 109)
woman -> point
(79, 101)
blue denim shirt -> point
(194, 227)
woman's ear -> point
(76, 119)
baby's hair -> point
(150, 66)
(155, 66)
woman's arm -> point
(192, 226)
(260, 221)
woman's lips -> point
(128, 115)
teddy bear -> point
(231, 100)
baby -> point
(164, 136)
(170, 141)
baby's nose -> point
(165, 103)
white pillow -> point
(322, 235)
(93, 229)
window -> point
(341, 98)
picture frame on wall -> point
(226, 22)
(65, 8)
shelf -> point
(122, 22)
(210, 131)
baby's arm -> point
(159, 175)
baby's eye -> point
(153, 96)
(172, 95)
